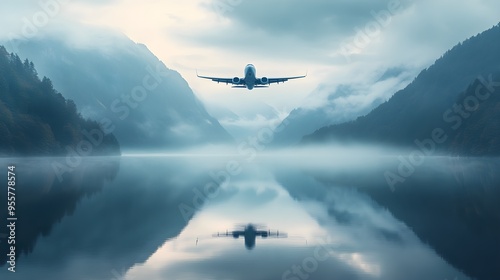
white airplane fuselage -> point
(250, 76)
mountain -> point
(480, 131)
(125, 87)
(435, 104)
(329, 105)
(35, 119)
(301, 122)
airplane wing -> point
(262, 233)
(235, 233)
(273, 234)
(277, 80)
(233, 81)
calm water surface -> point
(145, 217)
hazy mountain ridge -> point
(414, 112)
(122, 84)
(35, 119)
(343, 103)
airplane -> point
(250, 233)
(250, 80)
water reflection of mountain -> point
(43, 200)
(451, 204)
(109, 232)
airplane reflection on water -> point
(250, 232)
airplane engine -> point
(236, 80)
(264, 80)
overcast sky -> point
(335, 41)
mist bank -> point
(335, 155)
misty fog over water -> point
(153, 216)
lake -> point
(341, 214)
